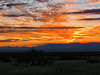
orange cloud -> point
(89, 35)
(34, 37)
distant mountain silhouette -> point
(14, 49)
(70, 47)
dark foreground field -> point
(67, 67)
(49, 63)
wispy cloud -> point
(41, 27)
(89, 19)
(14, 15)
(9, 40)
(91, 11)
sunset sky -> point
(40, 22)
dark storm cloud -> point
(91, 11)
(89, 19)
(9, 40)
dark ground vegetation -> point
(38, 62)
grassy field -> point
(67, 67)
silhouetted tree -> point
(35, 57)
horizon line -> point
(51, 43)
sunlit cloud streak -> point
(39, 35)
(9, 40)
(90, 19)
(89, 35)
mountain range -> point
(72, 47)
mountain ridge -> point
(70, 47)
